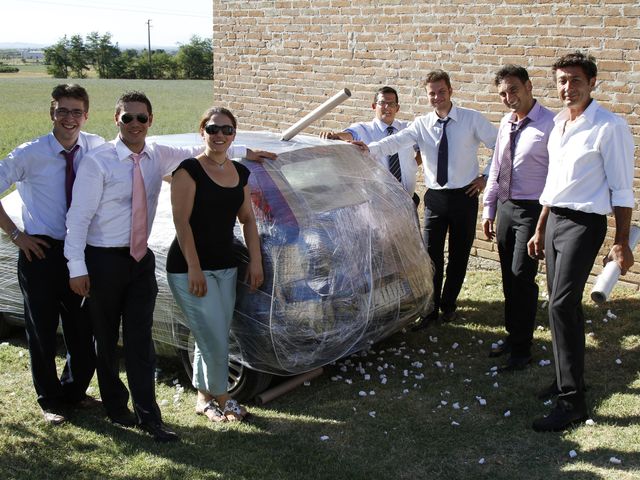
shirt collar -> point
(589, 114)
(57, 147)
(533, 115)
(453, 115)
(380, 125)
(123, 152)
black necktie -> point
(442, 175)
(394, 161)
(69, 172)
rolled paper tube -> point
(287, 386)
(611, 272)
(318, 113)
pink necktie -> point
(138, 243)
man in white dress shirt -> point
(99, 248)
(403, 164)
(590, 175)
(43, 171)
(448, 138)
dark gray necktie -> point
(394, 160)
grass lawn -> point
(412, 434)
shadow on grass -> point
(411, 435)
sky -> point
(44, 22)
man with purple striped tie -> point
(516, 179)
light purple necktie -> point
(506, 165)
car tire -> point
(244, 383)
(5, 326)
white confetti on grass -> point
(590, 422)
(481, 461)
(618, 361)
(481, 400)
(615, 461)
(611, 315)
(573, 453)
(507, 413)
(372, 414)
(455, 424)
(324, 438)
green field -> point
(24, 109)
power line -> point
(115, 9)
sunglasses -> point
(128, 117)
(212, 129)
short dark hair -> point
(384, 90)
(577, 59)
(511, 71)
(133, 96)
(436, 76)
(206, 116)
(71, 90)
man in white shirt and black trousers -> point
(108, 224)
(44, 171)
(448, 138)
(590, 175)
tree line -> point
(75, 56)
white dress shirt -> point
(466, 130)
(100, 213)
(38, 170)
(591, 164)
(375, 130)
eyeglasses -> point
(63, 112)
(128, 117)
(212, 129)
(387, 104)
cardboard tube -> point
(611, 272)
(287, 386)
(318, 113)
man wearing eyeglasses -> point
(449, 138)
(403, 164)
(43, 171)
(115, 200)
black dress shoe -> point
(448, 317)
(424, 322)
(564, 415)
(515, 364)
(124, 418)
(549, 391)
(500, 349)
(159, 432)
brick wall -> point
(274, 61)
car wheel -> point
(5, 326)
(244, 383)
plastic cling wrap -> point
(344, 261)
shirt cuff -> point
(77, 268)
(622, 198)
(488, 213)
(239, 151)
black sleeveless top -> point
(213, 217)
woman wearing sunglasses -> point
(208, 193)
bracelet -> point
(15, 234)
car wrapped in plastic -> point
(345, 265)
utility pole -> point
(149, 47)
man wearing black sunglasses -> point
(115, 200)
(43, 171)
